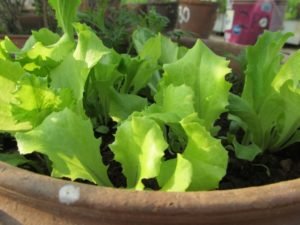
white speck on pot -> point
(69, 194)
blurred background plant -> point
(222, 6)
(292, 10)
(9, 19)
(114, 23)
(23, 16)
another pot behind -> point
(197, 17)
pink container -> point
(247, 19)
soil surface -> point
(265, 169)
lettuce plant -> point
(59, 91)
(268, 108)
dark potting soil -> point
(268, 168)
(7, 143)
(265, 169)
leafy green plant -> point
(65, 98)
(115, 24)
(10, 10)
(267, 110)
(292, 10)
(222, 6)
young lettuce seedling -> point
(268, 108)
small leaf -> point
(90, 48)
(137, 72)
(123, 105)
(45, 36)
(172, 104)
(10, 73)
(158, 48)
(56, 52)
(13, 159)
(246, 152)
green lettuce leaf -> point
(56, 52)
(99, 86)
(35, 101)
(288, 71)
(246, 152)
(103, 95)
(151, 49)
(7, 45)
(263, 63)
(158, 48)
(8, 49)
(203, 71)
(14, 159)
(90, 48)
(140, 37)
(45, 36)
(71, 74)
(170, 51)
(175, 174)
(68, 140)
(289, 123)
(206, 155)
(268, 108)
(172, 104)
(123, 105)
(137, 73)
(10, 73)
(260, 127)
(65, 14)
(139, 146)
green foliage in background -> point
(292, 9)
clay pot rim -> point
(26, 185)
(2, 36)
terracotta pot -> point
(136, 7)
(18, 39)
(30, 21)
(28, 199)
(197, 16)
